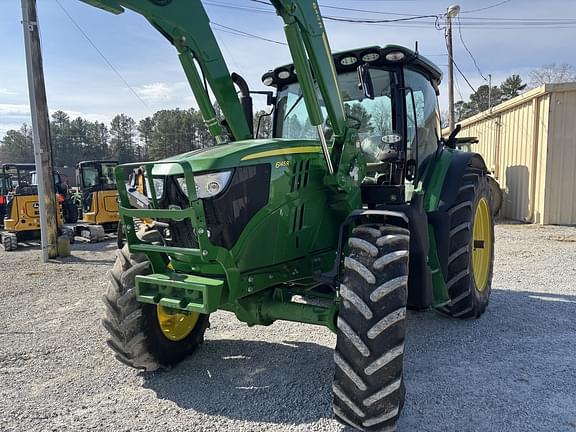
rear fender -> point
(454, 177)
(442, 181)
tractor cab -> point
(390, 98)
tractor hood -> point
(239, 153)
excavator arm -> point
(187, 26)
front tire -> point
(368, 383)
(145, 336)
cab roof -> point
(18, 166)
(349, 60)
(96, 162)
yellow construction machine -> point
(22, 212)
(98, 199)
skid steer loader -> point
(356, 207)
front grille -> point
(228, 214)
(181, 232)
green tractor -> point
(353, 212)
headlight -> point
(207, 185)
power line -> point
(418, 21)
(467, 49)
(103, 56)
(240, 7)
(488, 7)
(324, 6)
(243, 33)
(465, 78)
(458, 89)
(376, 21)
(362, 20)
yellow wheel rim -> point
(176, 325)
(482, 246)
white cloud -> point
(5, 92)
(14, 109)
(158, 92)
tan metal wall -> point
(529, 143)
(560, 202)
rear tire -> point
(368, 383)
(467, 299)
(134, 331)
(497, 196)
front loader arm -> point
(312, 56)
(187, 26)
(305, 15)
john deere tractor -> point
(353, 212)
(98, 204)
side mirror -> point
(270, 98)
(365, 80)
(451, 141)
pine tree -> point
(122, 138)
(512, 87)
(17, 146)
(60, 137)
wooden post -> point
(452, 12)
(451, 113)
(41, 132)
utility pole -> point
(41, 132)
(451, 13)
(489, 91)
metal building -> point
(529, 142)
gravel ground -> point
(512, 370)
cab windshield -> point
(102, 174)
(373, 116)
(378, 119)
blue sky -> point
(81, 83)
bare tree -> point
(552, 74)
(381, 120)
